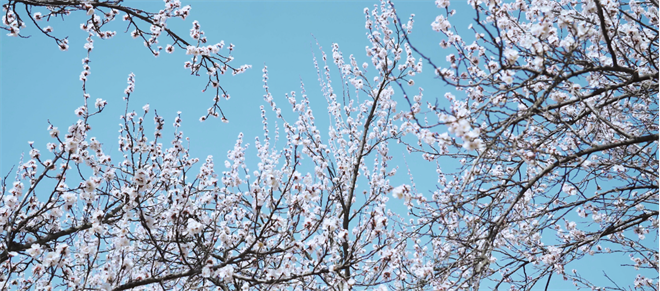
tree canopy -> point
(554, 120)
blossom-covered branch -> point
(558, 115)
(298, 221)
(204, 58)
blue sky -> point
(39, 83)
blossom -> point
(226, 273)
(474, 144)
(14, 31)
(206, 272)
(442, 3)
(34, 250)
(100, 103)
(71, 145)
(121, 242)
(10, 201)
(63, 45)
(428, 137)
(400, 191)
(194, 227)
(440, 24)
(570, 190)
(63, 249)
(511, 55)
(54, 132)
(80, 111)
(618, 169)
(291, 207)
(192, 50)
(51, 258)
(69, 198)
(34, 153)
(90, 185)
(141, 177)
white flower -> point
(13, 31)
(428, 137)
(474, 144)
(226, 273)
(442, 3)
(51, 259)
(34, 250)
(70, 145)
(89, 185)
(194, 227)
(63, 249)
(272, 180)
(69, 198)
(55, 212)
(551, 256)
(17, 190)
(121, 242)
(511, 55)
(80, 111)
(11, 201)
(568, 189)
(141, 177)
(567, 43)
(109, 175)
(192, 50)
(98, 228)
(619, 169)
(440, 24)
(128, 264)
(398, 192)
(54, 132)
(330, 224)
(206, 272)
(100, 103)
(308, 180)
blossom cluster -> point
(554, 175)
(299, 219)
(550, 124)
(101, 13)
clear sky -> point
(39, 83)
